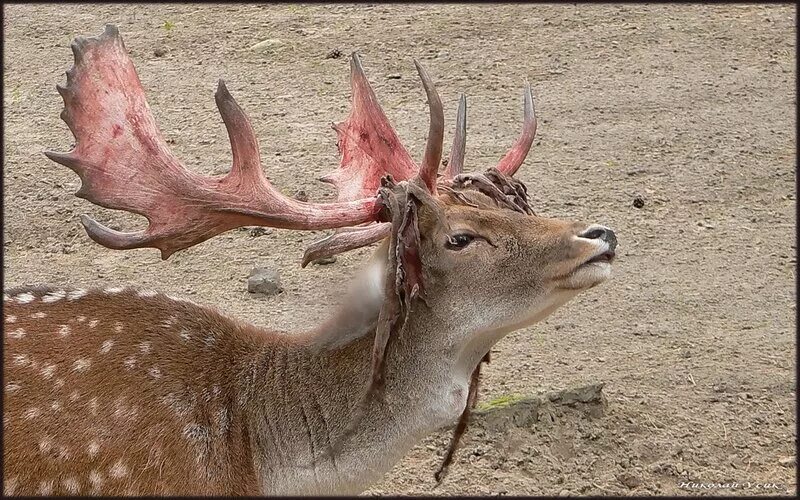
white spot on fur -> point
(64, 330)
(63, 453)
(25, 298)
(18, 333)
(6, 298)
(96, 479)
(221, 421)
(167, 323)
(11, 318)
(80, 319)
(93, 323)
(106, 346)
(55, 406)
(209, 341)
(215, 391)
(93, 406)
(21, 360)
(120, 409)
(93, 449)
(59, 382)
(76, 294)
(45, 444)
(185, 335)
(48, 371)
(118, 326)
(176, 298)
(34, 364)
(144, 347)
(81, 365)
(155, 372)
(195, 432)
(74, 396)
(147, 293)
(114, 290)
(71, 485)
(39, 315)
(10, 486)
(54, 296)
(118, 470)
(46, 487)
(13, 386)
(130, 362)
(31, 413)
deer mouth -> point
(607, 257)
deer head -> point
(463, 253)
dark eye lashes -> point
(459, 241)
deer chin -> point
(590, 273)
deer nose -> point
(601, 233)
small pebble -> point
(256, 232)
(268, 45)
(264, 281)
(629, 480)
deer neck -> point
(311, 390)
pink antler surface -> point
(512, 160)
(124, 163)
(368, 144)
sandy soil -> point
(690, 107)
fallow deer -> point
(129, 391)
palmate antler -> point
(125, 164)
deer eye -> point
(459, 241)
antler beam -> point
(125, 164)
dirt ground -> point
(692, 108)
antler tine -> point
(346, 239)
(368, 144)
(511, 162)
(125, 164)
(244, 144)
(455, 165)
(433, 148)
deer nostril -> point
(595, 234)
(603, 234)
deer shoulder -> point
(156, 377)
